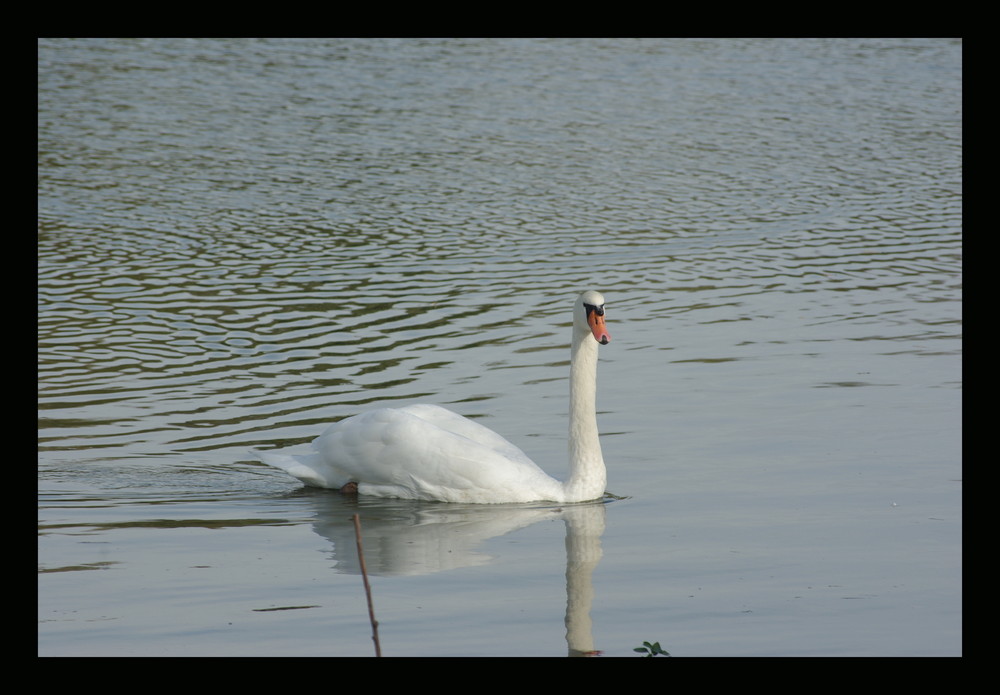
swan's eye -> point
(591, 308)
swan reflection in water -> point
(406, 538)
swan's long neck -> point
(587, 475)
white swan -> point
(427, 452)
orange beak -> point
(595, 319)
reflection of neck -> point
(587, 474)
(584, 527)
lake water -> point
(241, 241)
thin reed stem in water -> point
(368, 589)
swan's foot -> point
(350, 489)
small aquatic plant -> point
(651, 649)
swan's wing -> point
(453, 422)
(426, 452)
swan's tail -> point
(305, 467)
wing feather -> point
(428, 452)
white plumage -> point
(427, 452)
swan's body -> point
(430, 453)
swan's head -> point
(589, 316)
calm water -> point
(241, 241)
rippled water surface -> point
(241, 241)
